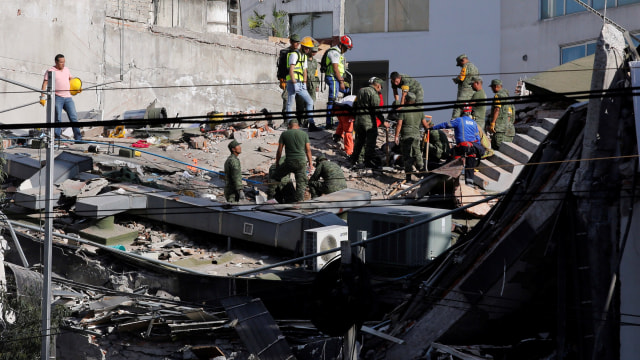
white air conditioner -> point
(321, 239)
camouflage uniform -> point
(414, 87)
(333, 178)
(478, 113)
(294, 141)
(465, 91)
(284, 191)
(233, 178)
(439, 147)
(410, 138)
(365, 126)
(505, 131)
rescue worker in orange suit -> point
(467, 138)
(344, 131)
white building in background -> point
(507, 39)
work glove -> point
(492, 128)
(283, 84)
(241, 195)
(43, 100)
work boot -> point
(336, 138)
(313, 127)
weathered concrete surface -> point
(189, 73)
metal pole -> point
(349, 339)
(46, 281)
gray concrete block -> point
(526, 142)
(110, 203)
(505, 162)
(516, 152)
(491, 170)
(537, 132)
(549, 123)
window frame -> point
(386, 28)
(312, 14)
(552, 7)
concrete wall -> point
(292, 7)
(523, 33)
(155, 62)
(429, 56)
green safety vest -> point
(340, 63)
(298, 68)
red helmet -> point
(346, 41)
(467, 108)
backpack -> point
(283, 68)
(323, 63)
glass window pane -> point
(574, 7)
(545, 9)
(408, 15)
(559, 7)
(591, 48)
(599, 4)
(627, 2)
(322, 25)
(571, 53)
(301, 24)
(364, 16)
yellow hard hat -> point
(75, 86)
(307, 41)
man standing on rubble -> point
(501, 121)
(367, 108)
(332, 176)
(233, 174)
(463, 80)
(313, 81)
(406, 84)
(334, 77)
(297, 79)
(295, 143)
(63, 93)
(408, 135)
(478, 102)
(467, 139)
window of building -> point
(362, 71)
(368, 16)
(570, 53)
(553, 8)
(316, 25)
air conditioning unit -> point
(415, 247)
(321, 239)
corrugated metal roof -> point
(570, 77)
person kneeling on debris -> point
(332, 176)
(467, 142)
(295, 144)
(408, 135)
(285, 192)
(233, 191)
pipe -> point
(4, 217)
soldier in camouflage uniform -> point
(478, 101)
(313, 82)
(439, 149)
(366, 108)
(465, 92)
(406, 84)
(233, 174)
(502, 117)
(295, 143)
(285, 192)
(332, 175)
(408, 135)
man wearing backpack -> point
(333, 65)
(283, 69)
(297, 81)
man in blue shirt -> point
(467, 139)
